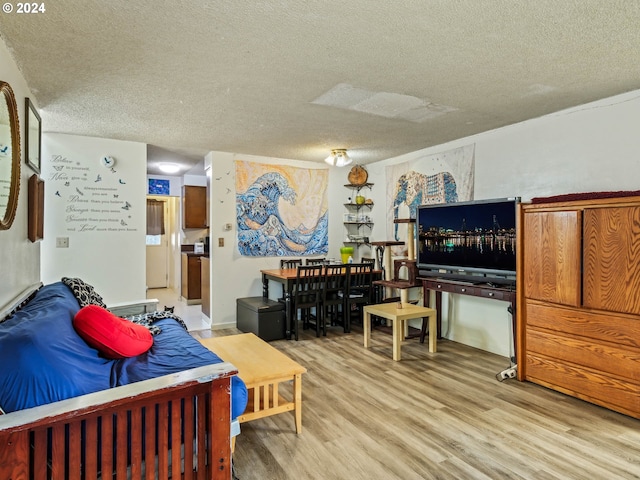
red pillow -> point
(112, 336)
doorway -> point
(163, 251)
(157, 250)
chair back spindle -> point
(315, 261)
(290, 263)
(286, 264)
(358, 290)
(307, 297)
(333, 294)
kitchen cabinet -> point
(205, 286)
(191, 278)
(194, 207)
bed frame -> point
(175, 426)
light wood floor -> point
(430, 416)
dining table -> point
(287, 277)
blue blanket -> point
(44, 360)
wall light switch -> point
(221, 242)
(62, 242)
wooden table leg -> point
(265, 286)
(397, 338)
(433, 336)
(366, 326)
(291, 315)
(297, 399)
(439, 310)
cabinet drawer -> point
(449, 287)
(596, 387)
(496, 294)
(603, 357)
(616, 329)
(464, 289)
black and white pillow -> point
(148, 319)
(84, 293)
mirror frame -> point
(14, 188)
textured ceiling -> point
(296, 78)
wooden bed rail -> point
(176, 426)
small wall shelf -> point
(357, 225)
(359, 187)
(358, 205)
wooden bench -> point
(262, 368)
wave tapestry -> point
(441, 178)
(281, 210)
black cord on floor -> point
(234, 475)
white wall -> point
(593, 147)
(19, 258)
(102, 213)
(589, 148)
(232, 275)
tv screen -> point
(476, 237)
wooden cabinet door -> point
(205, 286)
(184, 277)
(611, 259)
(190, 277)
(194, 207)
(552, 254)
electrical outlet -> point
(62, 242)
(507, 373)
(221, 242)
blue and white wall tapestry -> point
(281, 210)
(440, 178)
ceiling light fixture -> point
(169, 167)
(338, 158)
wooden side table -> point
(399, 317)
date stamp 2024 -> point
(26, 7)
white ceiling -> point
(296, 78)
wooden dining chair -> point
(358, 291)
(290, 263)
(333, 295)
(377, 290)
(307, 298)
(315, 261)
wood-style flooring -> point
(430, 416)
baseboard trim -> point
(222, 326)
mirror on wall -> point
(9, 156)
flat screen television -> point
(464, 239)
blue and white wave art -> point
(261, 230)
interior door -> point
(158, 256)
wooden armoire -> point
(578, 327)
